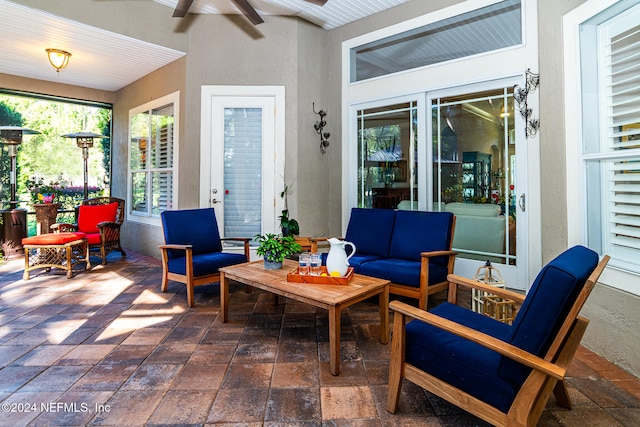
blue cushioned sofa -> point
(412, 249)
(192, 253)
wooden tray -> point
(320, 280)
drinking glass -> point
(303, 263)
(315, 262)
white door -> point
(241, 158)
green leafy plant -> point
(276, 247)
(41, 192)
(288, 226)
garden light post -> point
(84, 140)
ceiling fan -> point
(252, 15)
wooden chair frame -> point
(546, 377)
(189, 279)
(109, 231)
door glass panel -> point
(242, 172)
(387, 161)
(474, 172)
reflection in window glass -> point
(387, 169)
(474, 172)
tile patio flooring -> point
(108, 348)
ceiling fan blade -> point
(318, 2)
(182, 8)
(249, 11)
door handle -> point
(521, 202)
(215, 201)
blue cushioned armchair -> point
(192, 253)
(501, 373)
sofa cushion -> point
(402, 271)
(548, 302)
(355, 261)
(415, 232)
(462, 363)
(370, 230)
(196, 227)
(89, 216)
(205, 264)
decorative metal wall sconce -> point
(520, 95)
(319, 126)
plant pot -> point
(272, 265)
(46, 214)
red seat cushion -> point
(94, 238)
(53, 238)
(90, 216)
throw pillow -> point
(90, 216)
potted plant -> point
(288, 226)
(275, 248)
(44, 199)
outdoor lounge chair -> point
(100, 218)
(192, 253)
(501, 373)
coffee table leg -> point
(384, 315)
(334, 340)
(224, 297)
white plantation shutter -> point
(619, 154)
(242, 171)
(151, 152)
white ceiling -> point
(109, 61)
(333, 14)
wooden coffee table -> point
(330, 297)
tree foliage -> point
(50, 157)
(8, 117)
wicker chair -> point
(100, 218)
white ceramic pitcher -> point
(337, 260)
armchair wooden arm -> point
(455, 281)
(62, 227)
(244, 240)
(499, 346)
(425, 287)
(176, 246)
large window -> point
(152, 141)
(611, 134)
(486, 29)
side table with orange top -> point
(57, 250)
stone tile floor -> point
(108, 348)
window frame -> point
(150, 217)
(619, 274)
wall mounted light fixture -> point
(58, 59)
(319, 126)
